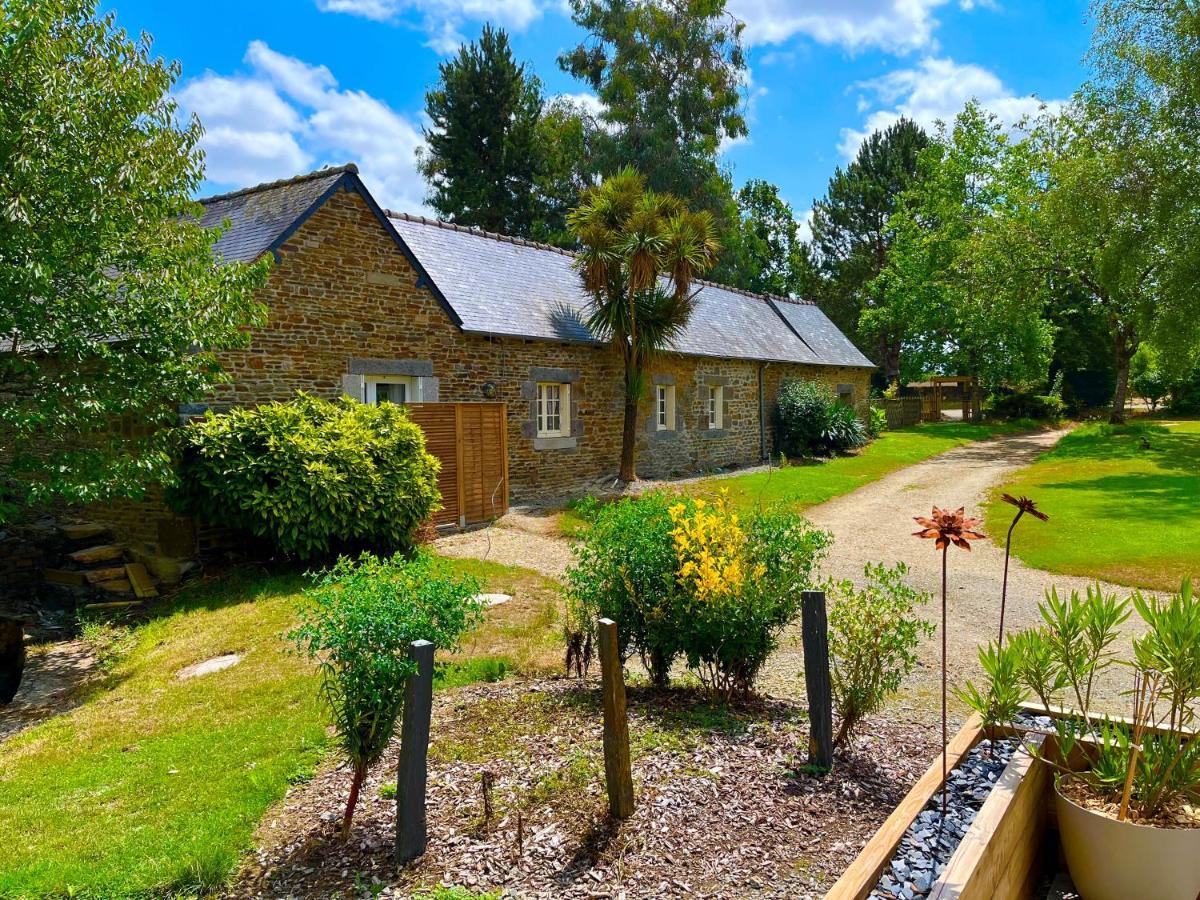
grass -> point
(1118, 511)
(806, 484)
(154, 785)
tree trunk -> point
(1124, 346)
(12, 658)
(889, 358)
(355, 786)
(629, 427)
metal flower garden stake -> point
(1023, 505)
(947, 528)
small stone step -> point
(113, 604)
(143, 587)
(116, 586)
(69, 577)
(83, 531)
(101, 553)
(108, 573)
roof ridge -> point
(538, 245)
(295, 179)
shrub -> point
(810, 420)
(1185, 392)
(873, 636)
(1027, 406)
(876, 421)
(359, 620)
(312, 476)
(624, 570)
(686, 578)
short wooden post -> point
(414, 750)
(814, 628)
(617, 773)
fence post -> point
(814, 629)
(617, 773)
(414, 750)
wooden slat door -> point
(471, 440)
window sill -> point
(666, 434)
(714, 433)
(555, 443)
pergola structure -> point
(931, 403)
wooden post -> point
(617, 773)
(814, 628)
(414, 750)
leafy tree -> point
(670, 75)
(640, 253)
(945, 290)
(851, 236)
(483, 159)
(566, 138)
(763, 250)
(359, 619)
(111, 304)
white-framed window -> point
(664, 407)
(553, 409)
(716, 398)
(390, 389)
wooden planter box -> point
(1001, 854)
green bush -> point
(311, 476)
(359, 620)
(688, 579)
(1027, 406)
(810, 420)
(876, 421)
(873, 636)
(1185, 393)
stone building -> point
(387, 306)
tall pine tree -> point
(483, 156)
(851, 236)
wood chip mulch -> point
(722, 807)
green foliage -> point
(873, 635)
(360, 618)
(109, 642)
(1185, 392)
(670, 78)
(1020, 405)
(640, 253)
(851, 236)
(312, 476)
(876, 421)
(630, 567)
(810, 420)
(102, 261)
(497, 156)
(763, 250)
(1062, 660)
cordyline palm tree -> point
(641, 253)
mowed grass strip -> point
(155, 785)
(1123, 503)
(806, 484)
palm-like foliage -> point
(641, 254)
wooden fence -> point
(471, 440)
(900, 411)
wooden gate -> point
(471, 440)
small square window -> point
(553, 409)
(390, 390)
(716, 396)
(664, 407)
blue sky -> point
(285, 86)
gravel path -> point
(524, 536)
(875, 523)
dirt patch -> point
(525, 536)
(722, 810)
(54, 675)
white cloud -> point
(893, 25)
(935, 89)
(804, 225)
(442, 20)
(287, 116)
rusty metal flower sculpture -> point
(947, 528)
(1023, 505)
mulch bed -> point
(722, 808)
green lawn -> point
(1118, 511)
(155, 785)
(804, 484)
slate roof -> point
(262, 216)
(496, 285)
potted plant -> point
(1124, 788)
